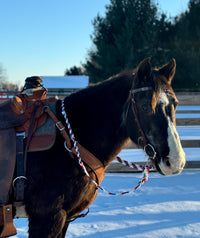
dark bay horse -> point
(103, 119)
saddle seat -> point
(18, 110)
(16, 117)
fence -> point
(61, 93)
(4, 95)
(188, 126)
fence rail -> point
(188, 119)
(5, 95)
(189, 131)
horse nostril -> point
(182, 165)
(167, 162)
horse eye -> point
(145, 108)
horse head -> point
(150, 110)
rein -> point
(145, 169)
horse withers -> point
(137, 105)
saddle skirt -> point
(21, 114)
(44, 129)
(16, 113)
(15, 118)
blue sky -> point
(45, 37)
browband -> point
(133, 91)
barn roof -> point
(65, 82)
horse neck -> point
(96, 118)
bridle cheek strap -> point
(148, 148)
(135, 112)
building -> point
(65, 85)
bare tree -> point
(2, 76)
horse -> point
(138, 105)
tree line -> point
(135, 29)
(5, 85)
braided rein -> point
(145, 169)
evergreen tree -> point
(133, 30)
(186, 47)
(74, 71)
(130, 31)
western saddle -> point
(28, 123)
(24, 126)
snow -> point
(187, 115)
(65, 82)
(189, 132)
(164, 207)
(188, 108)
(137, 155)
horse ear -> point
(168, 70)
(144, 69)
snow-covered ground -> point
(138, 155)
(187, 115)
(163, 207)
(188, 108)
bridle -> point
(145, 168)
(147, 147)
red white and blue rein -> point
(145, 168)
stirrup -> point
(6, 221)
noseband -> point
(148, 148)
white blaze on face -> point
(163, 98)
(176, 157)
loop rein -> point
(145, 168)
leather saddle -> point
(16, 116)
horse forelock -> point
(162, 89)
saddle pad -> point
(44, 136)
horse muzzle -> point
(168, 165)
(174, 161)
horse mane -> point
(113, 85)
(116, 85)
(100, 107)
